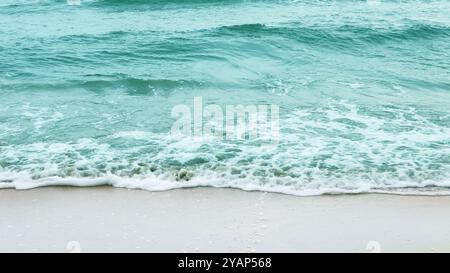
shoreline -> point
(107, 219)
(425, 190)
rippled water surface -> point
(364, 93)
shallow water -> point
(87, 92)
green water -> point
(364, 93)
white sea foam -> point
(338, 148)
(22, 181)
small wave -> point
(339, 36)
(152, 3)
(23, 181)
(139, 85)
(99, 83)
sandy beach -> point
(157, 126)
(103, 219)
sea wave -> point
(23, 181)
(87, 93)
(341, 35)
(335, 148)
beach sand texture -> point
(98, 219)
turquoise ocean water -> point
(86, 93)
